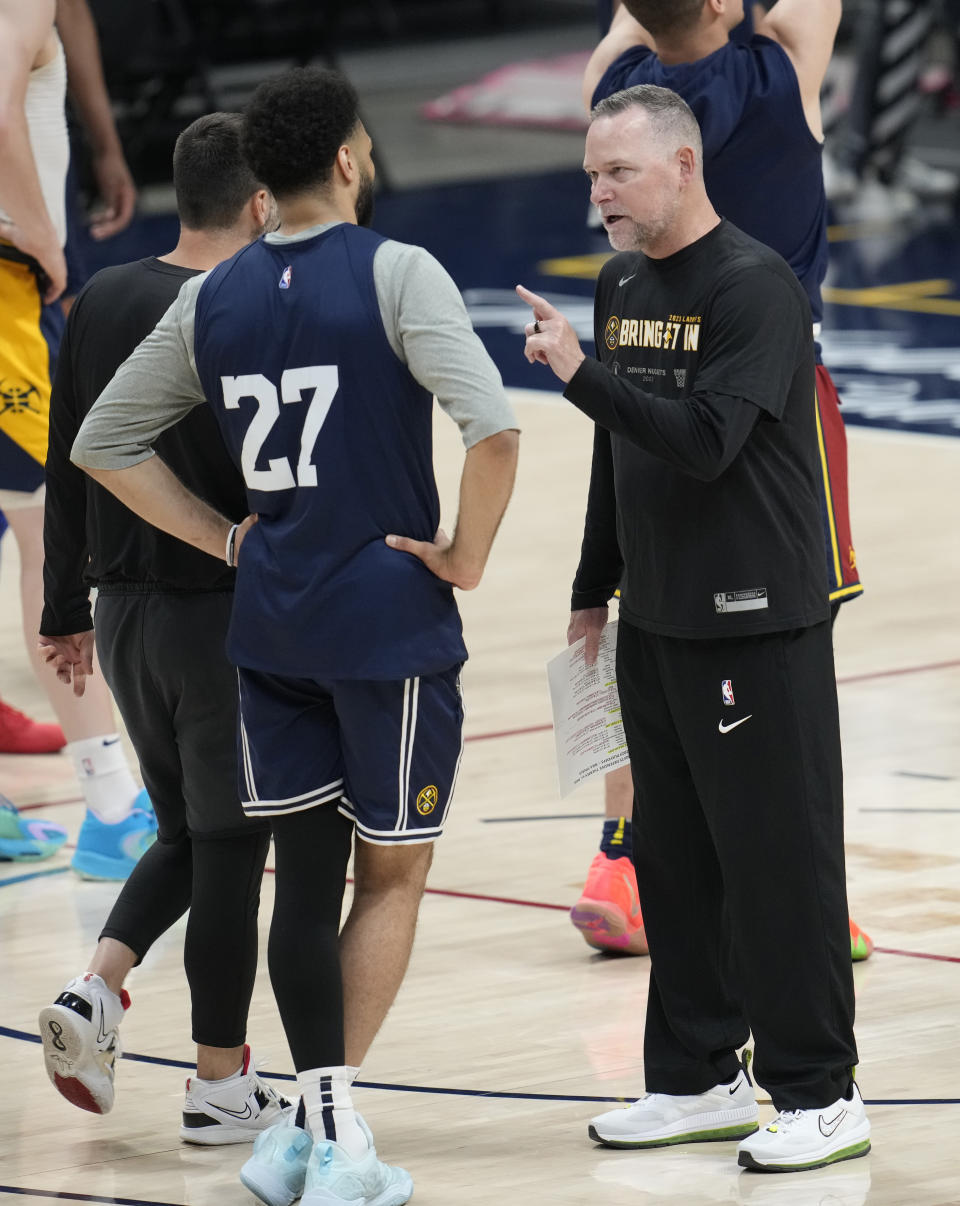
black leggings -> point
(312, 849)
(218, 879)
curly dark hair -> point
(295, 124)
(211, 177)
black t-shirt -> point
(703, 501)
(90, 537)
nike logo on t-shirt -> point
(726, 728)
(624, 279)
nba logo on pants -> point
(726, 690)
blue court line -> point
(923, 775)
(63, 1195)
(24, 1036)
(20, 879)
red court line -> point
(889, 950)
(849, 678)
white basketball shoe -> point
(81, 1043)
(231, 1111)
(800, 1139)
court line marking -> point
(498, 1094)
(525, 904)
(65, 1195)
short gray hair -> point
(671, 117)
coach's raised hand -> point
(550, 338)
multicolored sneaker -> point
(111, 851)
(333, 1177)
(21, 735)
(861, 944)
(81, 1043)
(24, 841)
(608, 912)
(797, 1140)
(276, 1171)
(236, 1110)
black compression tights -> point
(218, 879)
(311, 849)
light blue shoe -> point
(276, 1171)
(111, 851)
(26, 841)
(334, 1178)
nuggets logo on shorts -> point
(17, 394)
(427, 800)
(612, 333)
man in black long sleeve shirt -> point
(162, 615)
(703, 508)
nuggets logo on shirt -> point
(427, 800)
(671, 333)
(17, 394)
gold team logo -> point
(427, 800)
(852, 558)
(612, 333)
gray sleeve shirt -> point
(426, 324)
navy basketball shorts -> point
(386, 753)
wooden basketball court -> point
(508, 1033)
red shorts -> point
(842, 577)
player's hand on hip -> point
(46, 250)
(589, 623)
(242, 530)
(438, 555)
(550, 338)
(70, 656)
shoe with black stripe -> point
(235, 1110)
(81, 1043)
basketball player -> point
(162, 616)
(119, 824)
(704, 506)
(320, 348)
(757, 100)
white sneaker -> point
(232, 1111)
(658, 1119)
(81, 1044)
(334, 1177)
(276, 1171)
(801, 1139)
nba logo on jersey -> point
(285, 277)
(726, 690)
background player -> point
(118, 825)
(162, 616)
(757, 100)
(350, 714)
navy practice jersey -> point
(334, 439)
(762, 165)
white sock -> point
(105, 780)
(329, 1108)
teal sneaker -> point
(334, 1177)
(24, 841)
(111, 851)
(276, 1171)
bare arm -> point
(806, 29)
(485, 488)
(88, 90)
(624, 34)
(24, 33)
